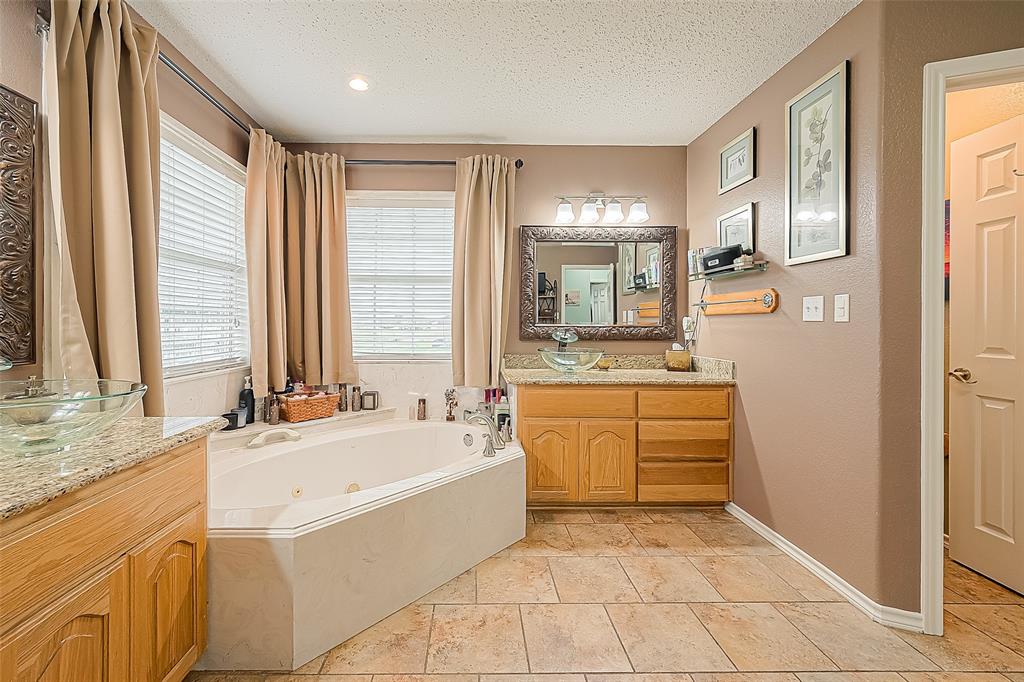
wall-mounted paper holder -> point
(740, 303)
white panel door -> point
(986, 392)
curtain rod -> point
(407, 162)
(43, 25)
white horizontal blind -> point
(203, 298)
(400, 274)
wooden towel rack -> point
(756, 302)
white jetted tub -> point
(312, 541)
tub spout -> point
(262, 439)
(492, 428)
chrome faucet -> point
(495, 436)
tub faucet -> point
(480, 418)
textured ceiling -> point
(643, 72)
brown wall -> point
(807, 418)
(828, 414)
(658, 172)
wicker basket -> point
(293, 410)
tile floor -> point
(658, 595)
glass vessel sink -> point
(570, 359)
(42, 416)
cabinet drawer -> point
(56, 551)
(683, 482)
(695, 403)
(684, 439)
(578, 402)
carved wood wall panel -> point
(17, 226)
(529, 235)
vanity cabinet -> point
(626, 444)
(108, 582)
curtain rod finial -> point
(519, 163)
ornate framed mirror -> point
(604, 283)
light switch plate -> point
(814, 308)
(841, 313)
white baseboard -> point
(886, 615)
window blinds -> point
(400, 278)
(202, 280)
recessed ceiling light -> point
(359, 83)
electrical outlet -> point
(841, 312)
(814, 308)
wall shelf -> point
(729, 271)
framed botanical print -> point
(816, 222)
(737, 227)
(627, 267)
(736, 162)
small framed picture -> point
(737, 227)
(816, 220)
(736, 162)
(572, 297)
(627, 267)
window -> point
(203, 299)
(400, 273)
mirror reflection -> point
(593, 283)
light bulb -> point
(613, 212)
(588, 212)
(638, 212)
(359, 83)
(564, 214)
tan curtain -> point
(299, 318)
(482, 277)
(104, 132)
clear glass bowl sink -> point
(570, 359)
(42, 416)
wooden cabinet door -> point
(82, 637)
(608, 461)
(169, 600)
(552, 459)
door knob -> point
(963, 375)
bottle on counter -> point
(268, 399)
(275, 411)
(421, 409)
(357, 399)
(247, 401)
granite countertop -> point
(28, 482)
(627, 370)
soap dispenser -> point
(247, 401)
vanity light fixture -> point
(564, 212)
(638, 212)
(588, 212)
(359, 84)
(613, 212)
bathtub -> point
(312, 541)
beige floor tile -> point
(951, 597)
(732, 538)
(851, 677)
(549, 677)
(562, 516)
(620, 516)
(517, 580)
(217, 676)
(411, 678)
(744, 677)
(803, 581)
(314, 666)
(591, 580)
(640, 677)
(963, 648)
(957, 677)
(668, 579)
(397, 644)
(481, 638)
(686, 515)
(571, 638)
(1016, 677)
(758, 637)
(604, 539)
(977, 588)
(744, 578)
(459, 590)
(853, 640)
(544, 539)
(666, 638)
(669, 539)
(1005, 624)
